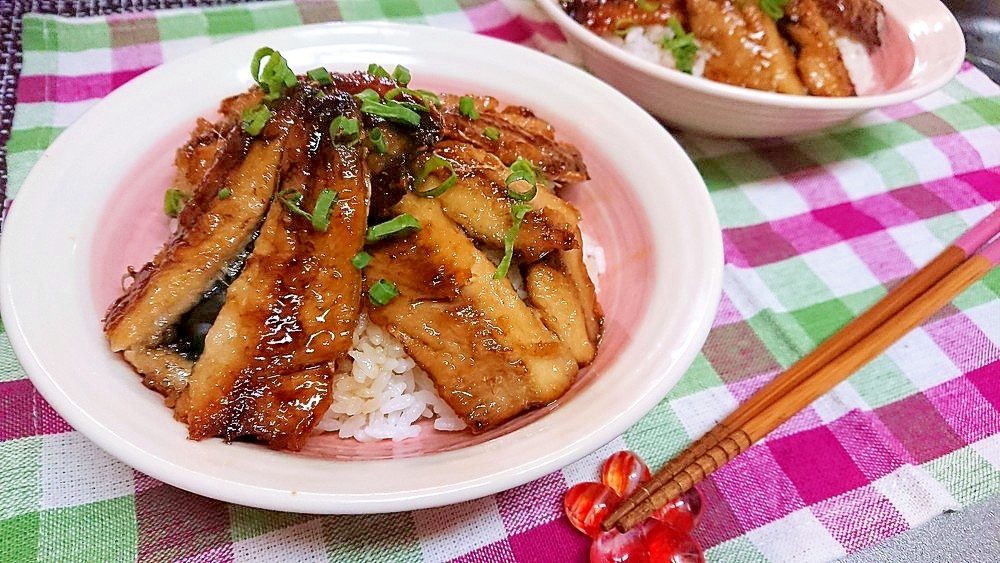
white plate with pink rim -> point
(93, 206)
(923, 48)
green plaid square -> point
(274, 16)
(102, 531)
(794, 283)
(783, 337)
(19, 538)
(881, 382)
(183, 25)
(372, 537)
(968, 476)
(246, 522)
(700, 376)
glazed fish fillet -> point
(212, 233)
(749, 50)
(819, 62)
(486, 350)
(289, 316)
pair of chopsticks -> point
(968, 259)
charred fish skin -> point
(266, 368)
(516, 132)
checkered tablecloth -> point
(816, 229)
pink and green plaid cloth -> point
(816, 229)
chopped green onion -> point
(433, 164)
(622, 25)
(254, 118)
(321, 213)
(292, 199)
(398, 225)
(173, 201)
(401, 74)
(648, 5)
(377, 70)
(275, 76)
(361, 260)
(429, 97)
(368, 95)
(391, 111)
(682, 45)
(378, 140)
(382, 292)
(522, 171)
(517, 212)
(467, 107)
(320, 217)
(320, 75)
(775, 9)
(491, 133)
(224, 193)
(345, 130)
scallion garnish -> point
(361, 260)
(292, 199)
(648, 5)
(320, 75)
(398, 225)
(345, 130)
(321, 213)
(254, 118)
(467, 107)
(173, 201)
(517, 212)
(275, 76)
(522, 171)
(391, 111)
(491, 133)
(378, 140)
(224, 193)
(382, 292)
(433, 164)
(429, 97)
(401, 74)
(377, 70)
(368, 95)
(682, 45)
(320, 217)
(775, 9)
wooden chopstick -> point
(857, 343)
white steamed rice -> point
(644, 42)
(381, 394)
